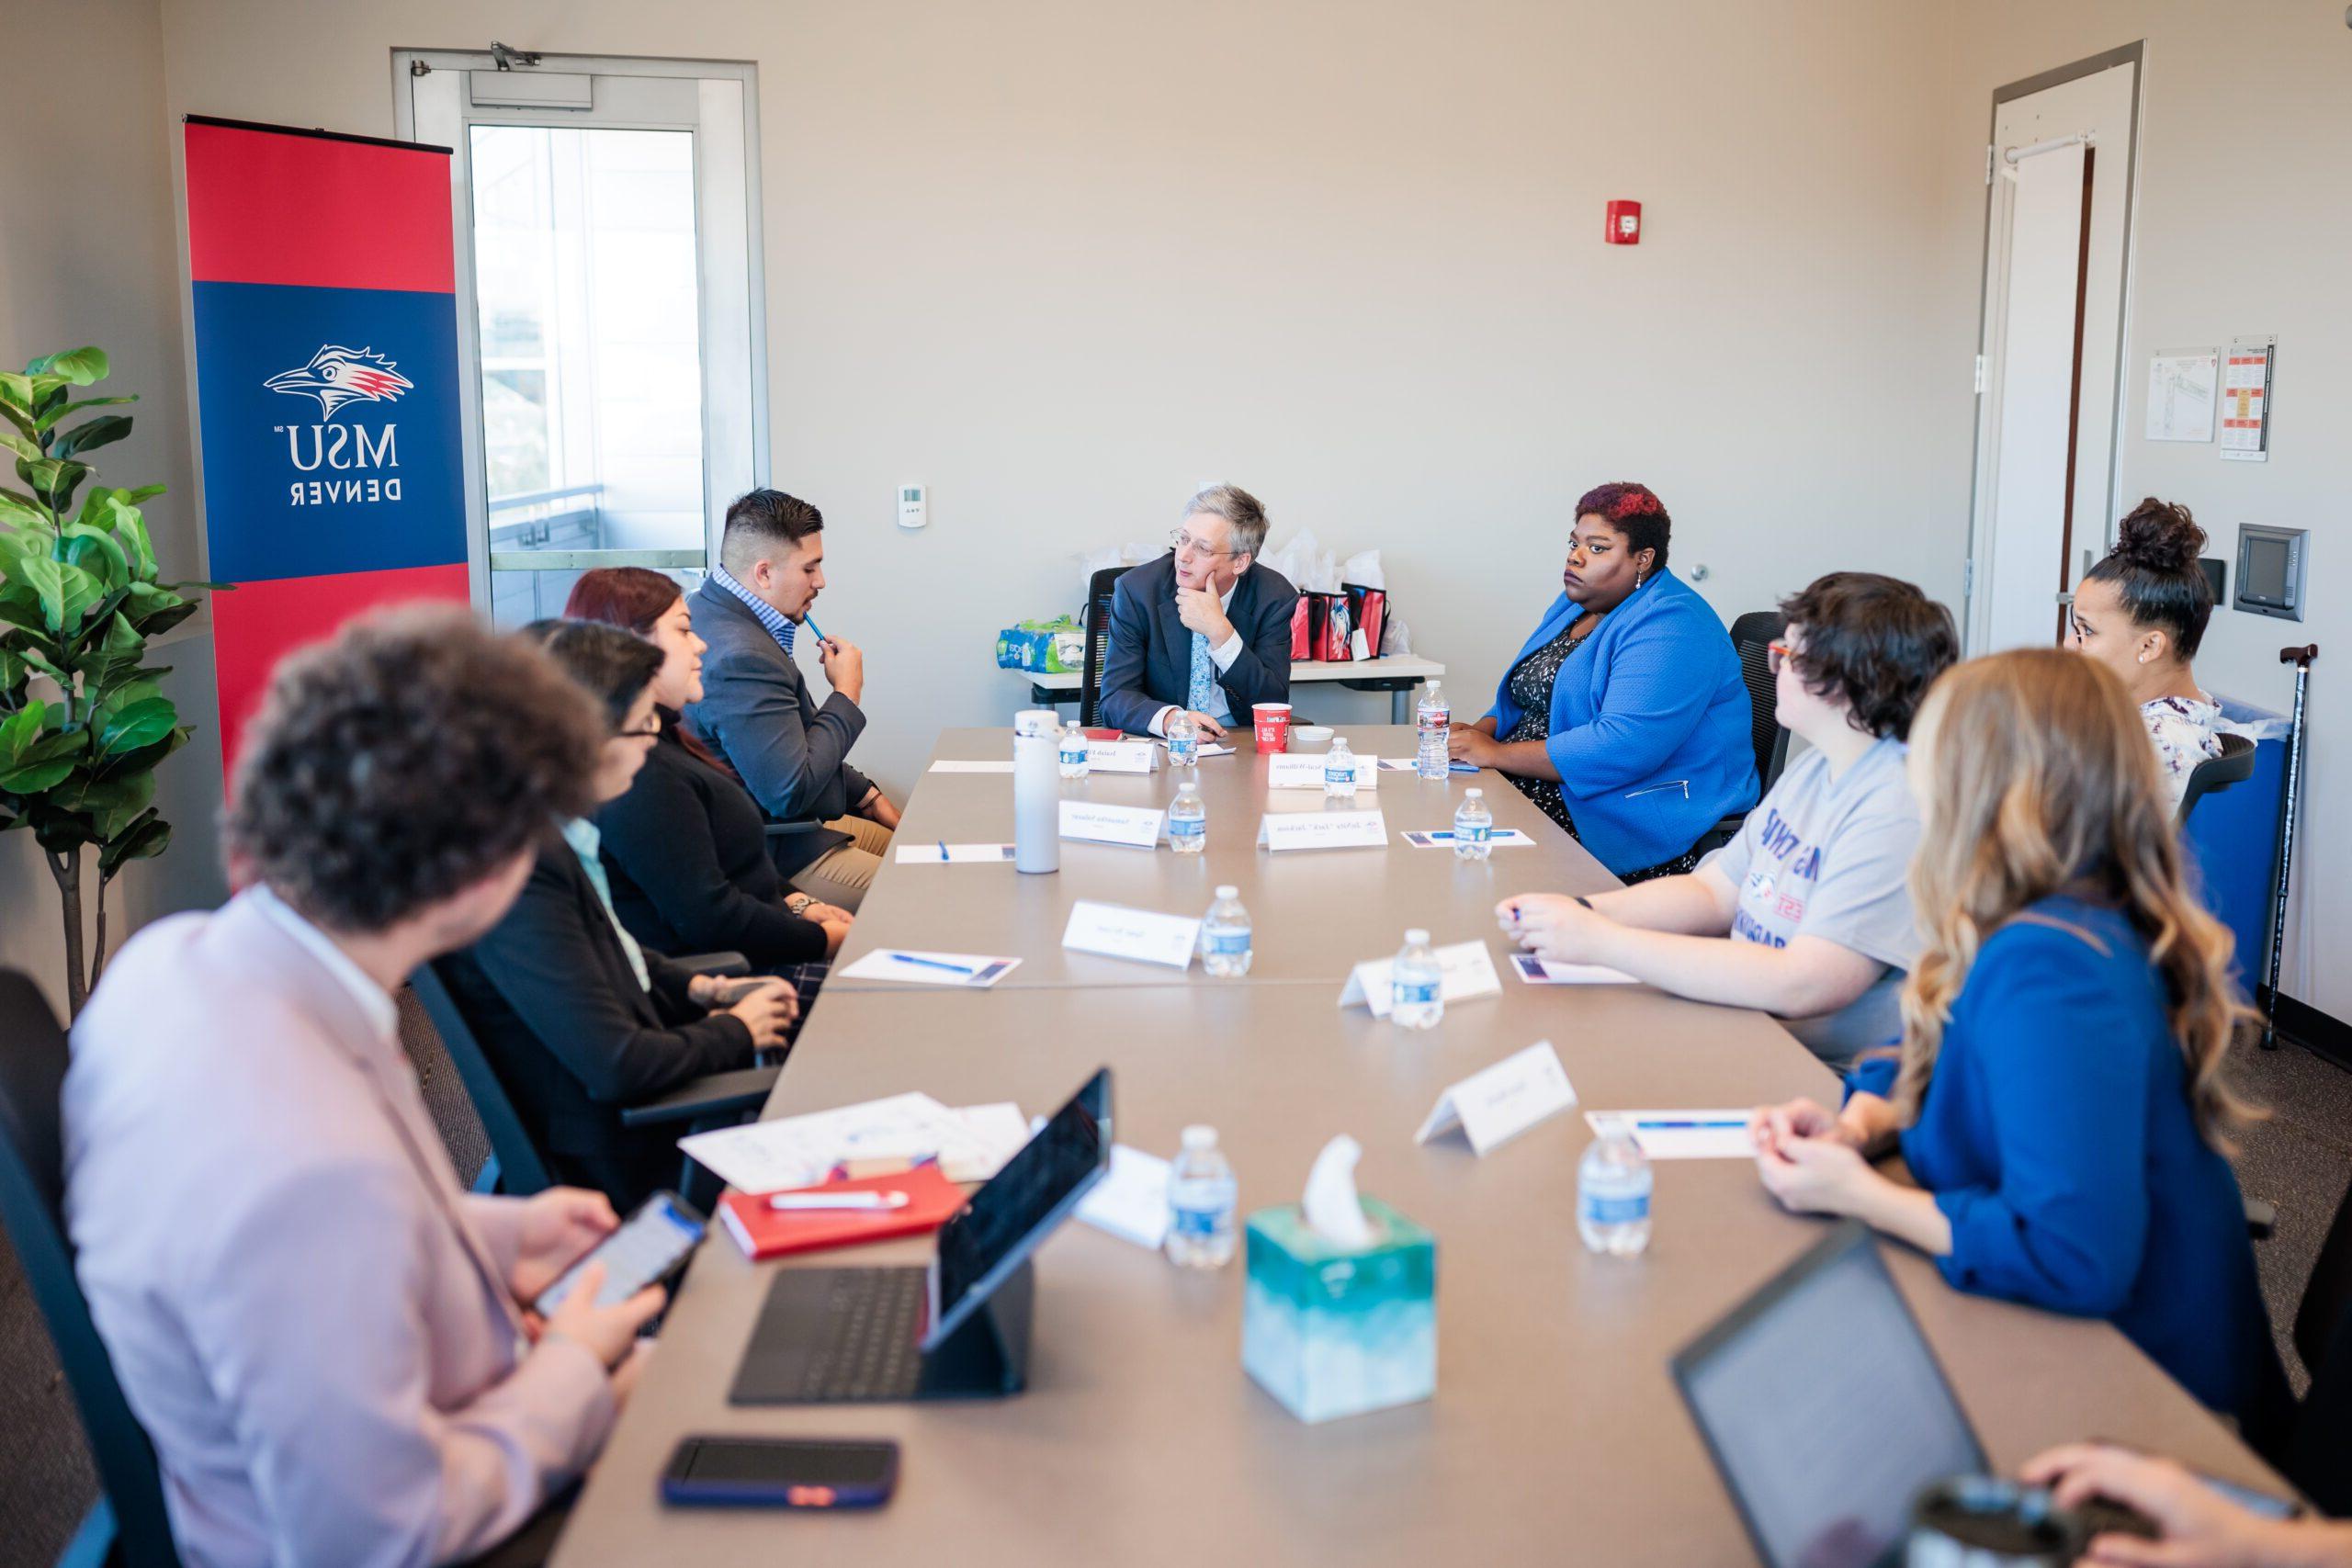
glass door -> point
(610, 335)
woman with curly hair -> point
(2058, 1094)
(1805, 914)
(1625, 716)
(2142, 612)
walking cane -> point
(2300, 658)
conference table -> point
(1555, 1432)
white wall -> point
(86, 219)
(2243, 225)
(1063, 258)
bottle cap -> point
(1199, 1139)
(1417, 937)
(1229, 891)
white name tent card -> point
(1279, 830)
(1287, 770)
(1122, 755)
(1683, 1134)
(942, 854)
(1442, 839)
(1095, 822)
(1146, 935)
(956, 765)
(1550, 972)
(1466, 968)
(929, 968)
(1496, 1104)
(1131, 1200)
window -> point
(608, 290)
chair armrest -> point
(727, 965)
(714, 1094)
(797, 825)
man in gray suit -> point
(791, 751)
(322, 1331)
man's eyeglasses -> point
(650, 730)
(1185, 545)
(1776, 654)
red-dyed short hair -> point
(1633, 511)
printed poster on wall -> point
(323, 278)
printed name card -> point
(1497, 1103)
(1550, 972)
(1144, 935)
(1279, 830)
(1122, 755)
(1095, 823)
(1466, 970)
(1284, 771)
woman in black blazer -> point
(580, 1020)
(688, 846)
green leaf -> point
(21, 731)
(16, 390)
(123, 644)
(53, 480)
(75, 367)
(149, 837)
(130, 529)
(19, 511)
(46, 578)
(95, 552)
(102, 430)
(13, 671)
(53, 415)
(22, 445)
(138, 724)
(157, 622)
(114, 805)
(35, 777)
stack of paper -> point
(970, 1144)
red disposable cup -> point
(1271, 723)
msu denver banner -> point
(326, 363)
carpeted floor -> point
(2300, 1158)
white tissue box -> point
(1334, 1331)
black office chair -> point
(1097, 622)
(517, 1164)
(1752, 637)
(2233, 766)
(128, 1527)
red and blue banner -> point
(327, 366)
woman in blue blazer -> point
(1625, 716)
(2058, 1094)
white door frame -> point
(1976, 618)
(721, 110)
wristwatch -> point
(797, 903)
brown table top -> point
(1141, 1440)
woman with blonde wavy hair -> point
(2058, 1093)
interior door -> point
(610, 311)
(2058, 215)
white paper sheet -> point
(1546, 972)
(944, 855)
(921, 968)
(2184, 385)
(1442, 839)
(1131, 1200)
(955, 765)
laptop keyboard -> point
(868, 1322)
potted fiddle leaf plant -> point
(84, 720)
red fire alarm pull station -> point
(1624, 223)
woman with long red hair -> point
(687, 847)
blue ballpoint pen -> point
(934, 964)
(1680, 1126)
(810, 622)
(942, 848)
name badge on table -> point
(1496, 1104)
(1146, 935)
(1091, 822)
(1122, 755)
(1465, 968)
(1286, 772)
(1279, 830)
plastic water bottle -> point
(1416, 984)
(1183, 740)
(1188, 817)
(1340, 771)
(1200, 1204)
(1430, 717)
(1473, 827)
(1613, 1194)
(1073, 751)
(1224, 936)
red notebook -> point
(763, 1232)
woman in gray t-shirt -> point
(1807, 913)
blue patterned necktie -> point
(1203, 674)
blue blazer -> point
(1649, 725)
(1149, 661)
(2057, 1138)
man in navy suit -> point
(1204, 629)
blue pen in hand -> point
(810, 622)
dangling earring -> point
(1637, 579)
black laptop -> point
(955, 1329)
(1825, 1410)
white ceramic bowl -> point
(1307, 737)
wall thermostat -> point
(2270, 570)
(914, 504)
